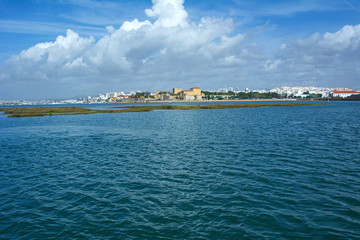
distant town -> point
(197, 94)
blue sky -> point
(175, 43)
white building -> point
(343, 94)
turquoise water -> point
(258, 173)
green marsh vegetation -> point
(53, 111)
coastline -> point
(213, 101)
(56, 111)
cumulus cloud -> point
(139, 53)
(168, 50)
(328, 59)
(133, 25)
(168, 13)
(47, 60)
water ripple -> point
(272, 173)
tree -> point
(219, 98)
(242, 95)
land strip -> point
(222, 101)
(55, 111)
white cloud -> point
(169, 13)
(45, 60)
(347, 38)
(134, 25)
(326, 59)
(170, 52)
(326, 48)
(110, 29)
(137, 53)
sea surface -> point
(255, 173)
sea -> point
(245, 173)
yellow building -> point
(176, 90)
(196, 91)
(192, 94)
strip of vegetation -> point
(45, 111)
(52, 111)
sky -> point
(61, 49)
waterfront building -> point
(176, 90)
(192, 94)
(343, 94)
(163, 95)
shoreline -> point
(213, 101)
(57, 111)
